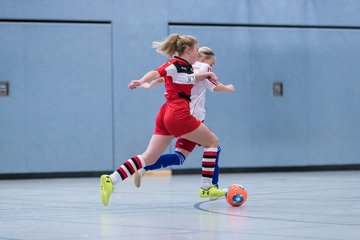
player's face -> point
(211, 61)
(194, 54)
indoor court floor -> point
(287, 205)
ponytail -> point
(174, 44)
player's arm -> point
(152, 84)
(205, 75)
(148, 77)
(230, 88)
(216, 86)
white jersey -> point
(197, 104)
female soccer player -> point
(197, 108)
(174, 118)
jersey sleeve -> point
(165, 69)
(209, 83)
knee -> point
(149, 158)
(212, 143)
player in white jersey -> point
(197, 108)
(198, 92)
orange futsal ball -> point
(236, 195)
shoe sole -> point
(212, 198)
(102, 192)
(137, 179)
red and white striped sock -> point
(208, 166)
(127, 169)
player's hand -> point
(231, 88)
(134, 84)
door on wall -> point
(58, 115)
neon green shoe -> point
(106, 189)
(213, 192)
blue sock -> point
(215, 178)
(176, 158)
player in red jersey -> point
(174, 118)
(197, 108)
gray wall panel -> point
(61, 100)
(55, 9)
(294, 12)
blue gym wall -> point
(68, 64)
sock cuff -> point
(180, 153)
(214, 149)
(141, 158)
(181, 157)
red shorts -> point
(185, 144)
(174, 118)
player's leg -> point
(165, 160)
(183, 148)
(157, 145)
(184, 152)
(204, 136)
(215, 180)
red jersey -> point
(179, 77)
(174, 117)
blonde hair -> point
(174, 44)
(206, 52)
